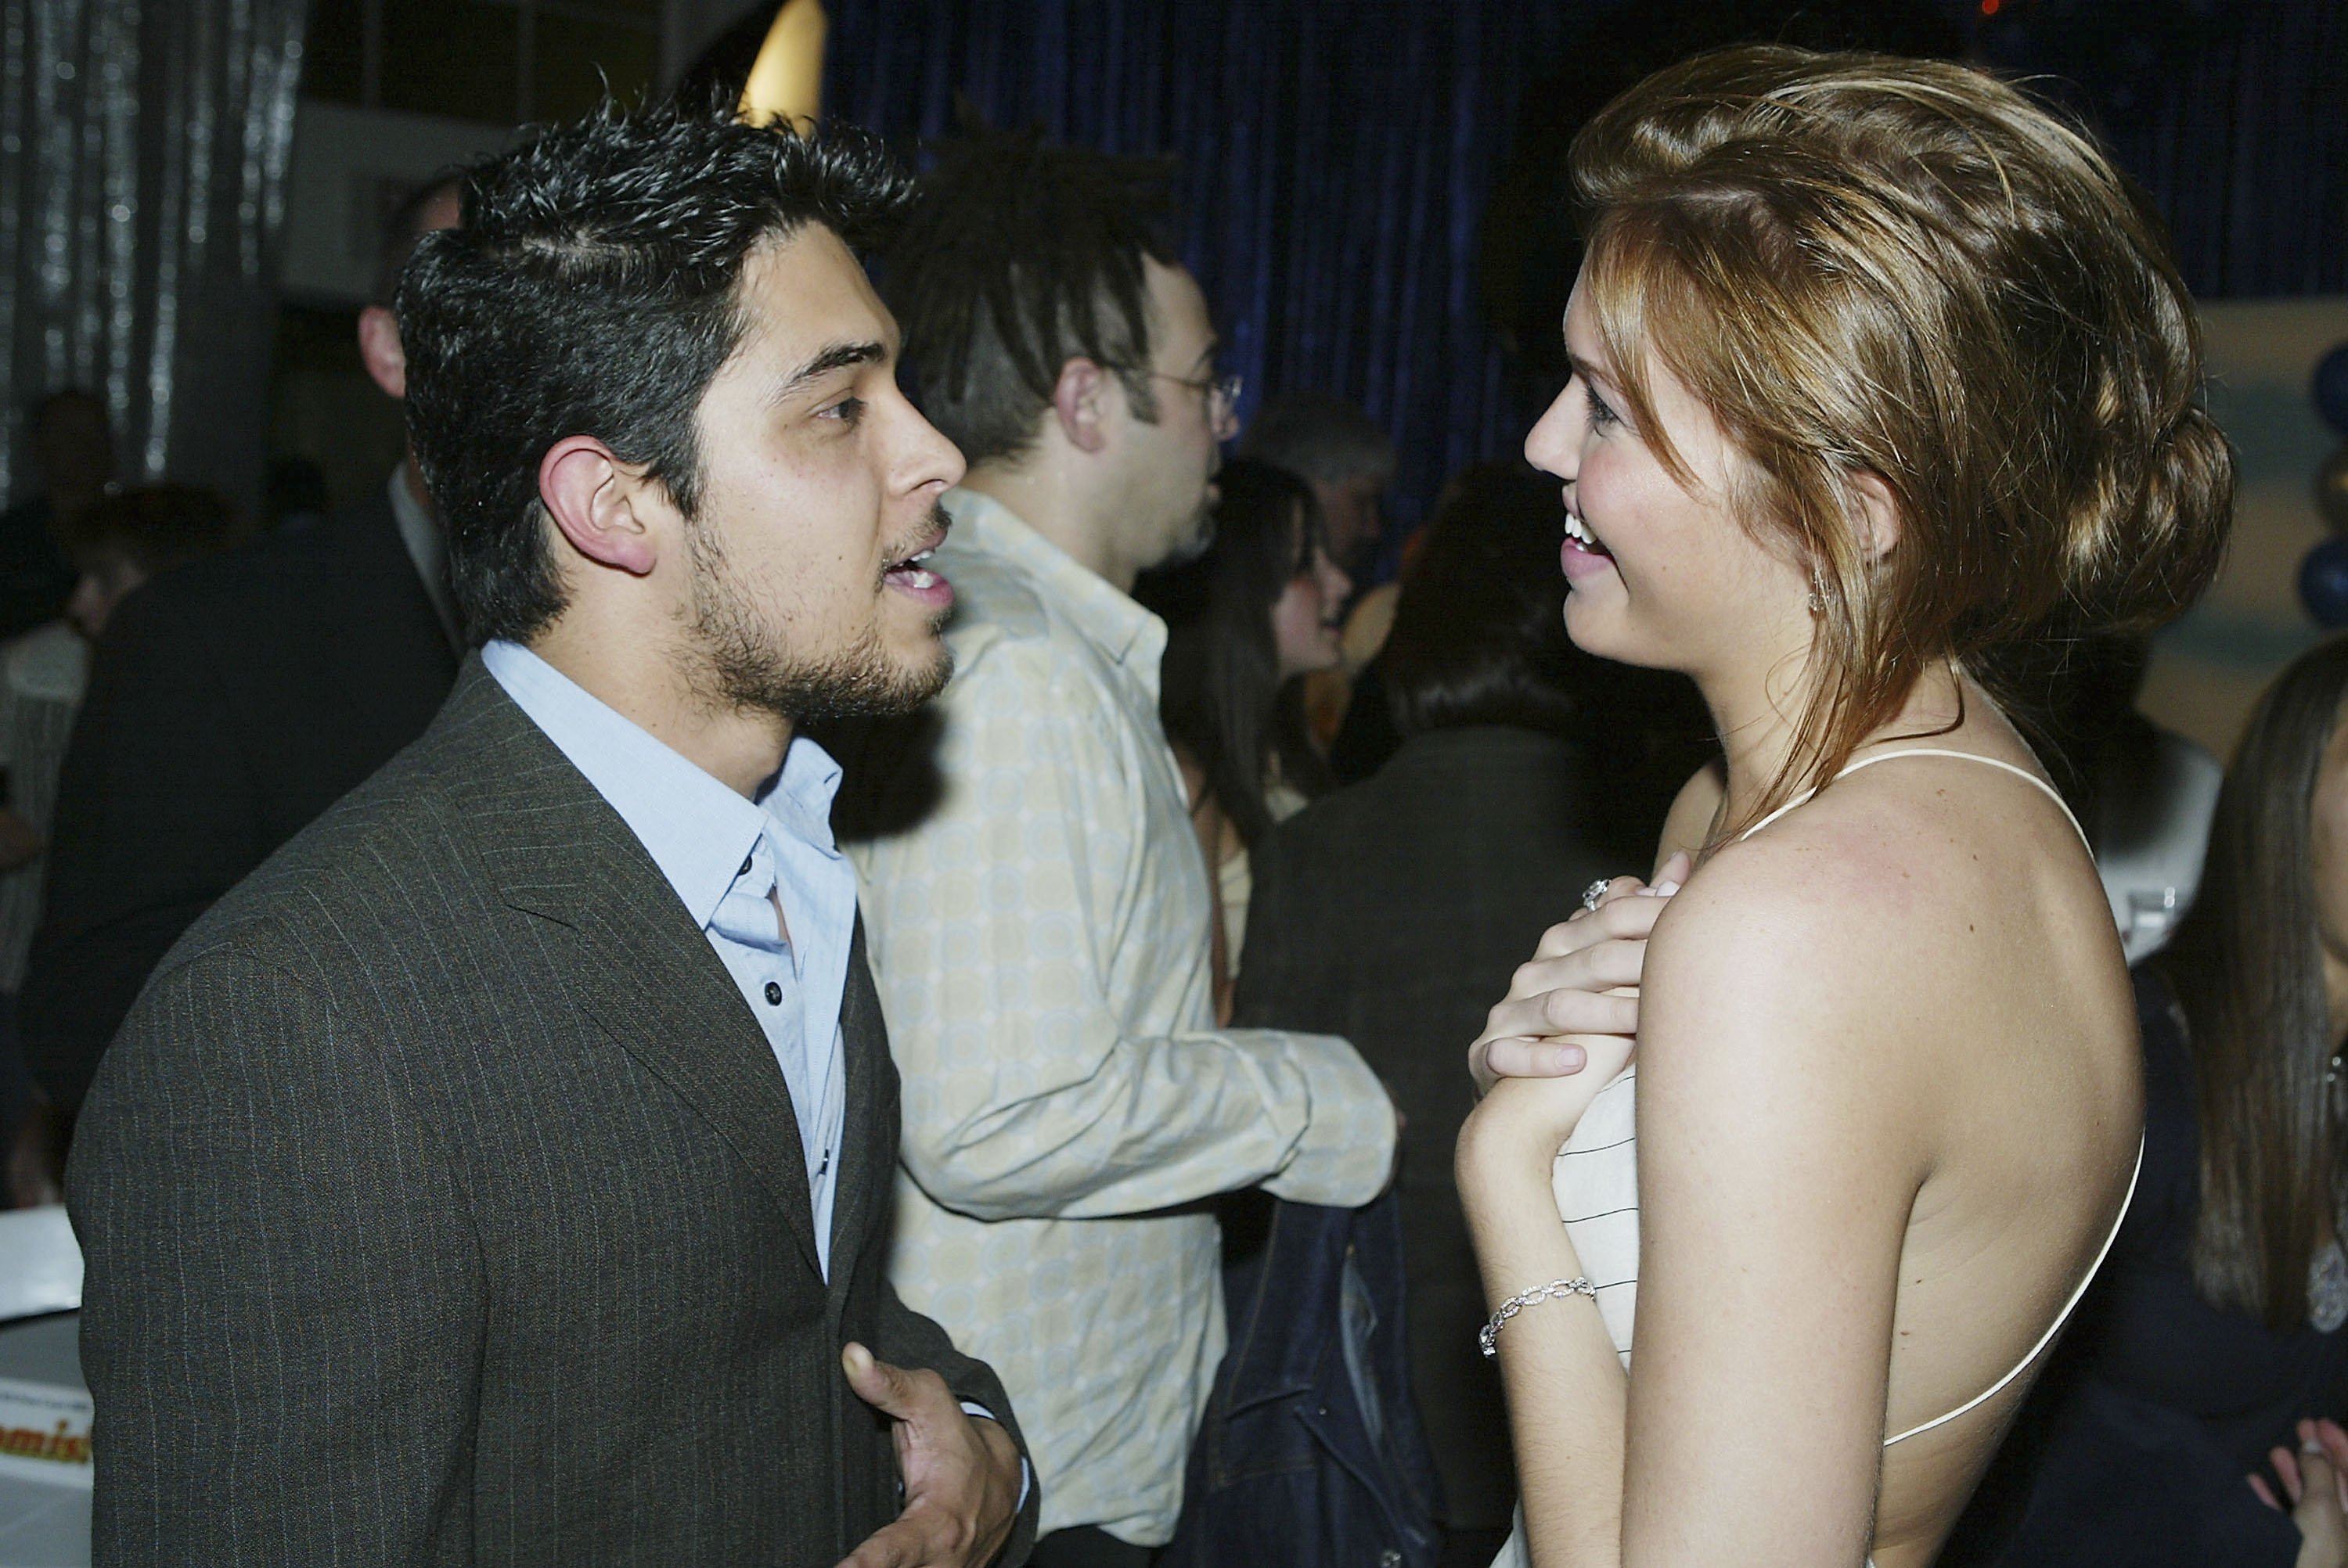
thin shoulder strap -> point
(2060, 1318)
(1796, 804)
(2024, 775)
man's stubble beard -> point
(743, 664)
(1196, 541)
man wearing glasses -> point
(1035, 906)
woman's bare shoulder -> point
(1819, 942)
(1777, 992)
(1888, 846)
(1793, 911)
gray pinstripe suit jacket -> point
(443, 1203)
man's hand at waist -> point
(962, 1473)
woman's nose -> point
(1553, 444)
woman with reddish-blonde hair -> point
(1880, 372)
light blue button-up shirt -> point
(706, 839)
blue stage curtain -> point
(1336, 154)
(2232, 114)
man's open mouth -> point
(908, 572)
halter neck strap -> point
(2024, 775)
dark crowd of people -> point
(844, 923)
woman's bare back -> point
(1986, 978)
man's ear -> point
(599, 505)
(1876, 512)
(1078, 402)
(380, 348)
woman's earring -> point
(1817, 593)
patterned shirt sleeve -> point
(1046, 989)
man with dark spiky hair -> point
(1041, 934)
(500, 1174)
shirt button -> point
(774, 994)
(745, 864)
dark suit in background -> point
(230, 703)
(444, 1204)
(35, 579)
(1393, 912)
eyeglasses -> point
(1222, 392)
(1224, 389)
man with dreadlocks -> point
(1040, 937)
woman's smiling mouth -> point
(1581, 555)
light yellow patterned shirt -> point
(1040, 940)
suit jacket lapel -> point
(867, 1156)
(639, 967)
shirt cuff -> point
(1026, 1475)
(1344, 1155)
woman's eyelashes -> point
(1603, 417)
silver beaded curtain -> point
(142, 170)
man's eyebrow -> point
(839, 356)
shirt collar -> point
(698, 830)
(1108, 619)
(428, 548)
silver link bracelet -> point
(1489, 1337)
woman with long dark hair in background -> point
(1259, 609)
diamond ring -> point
(1595, 892)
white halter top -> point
(1595, 1179)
